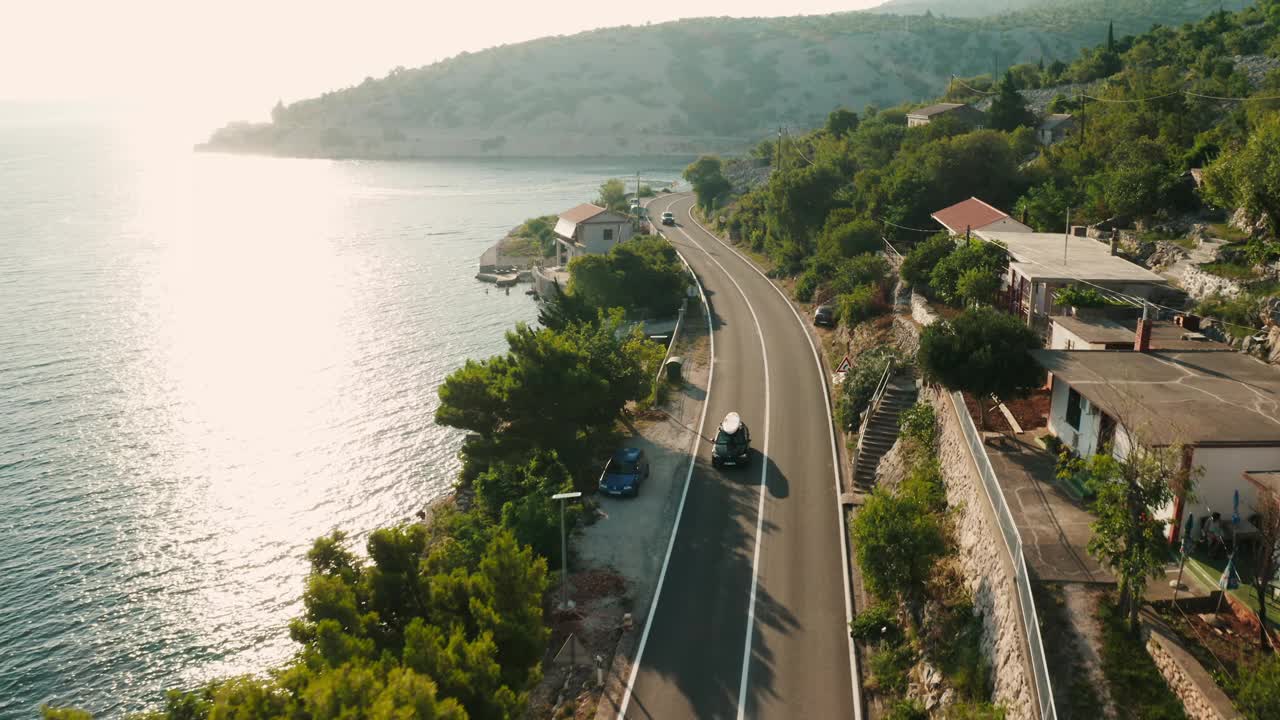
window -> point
(608, 234)
(1073, 408)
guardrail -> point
(872, 407)
(890, 249)
(1012, 541)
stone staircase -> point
(881, 429)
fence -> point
(1013, 541)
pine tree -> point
(1111, 36)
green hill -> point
(677, 88)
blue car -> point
(626, 470)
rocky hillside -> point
(677, 88)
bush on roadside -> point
(919, 423)
(859, 305)
(878, 623)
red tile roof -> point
(935, 109)
(970, 214)
(583, 212)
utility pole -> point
(565, 602)
(637, 185)
(777, 163)
(1066, 236)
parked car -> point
(733, 442)
(824, 315)
(668, 218)
(624, 473)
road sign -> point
(844, 366)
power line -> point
(904, 227)
(974, 89)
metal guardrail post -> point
(1013, 542)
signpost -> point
(565, 602)
(844, 366)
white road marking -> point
(764, 471)
(671, 542)
(835, 464)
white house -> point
(973, 214)
(589, 230)
(1223, 407)
(1041, 263)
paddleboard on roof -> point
(731, 423)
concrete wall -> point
(1200, 695)
(1061, 338)
(987, 568)
(591, 236)
(1222, 477)
(1084, 441)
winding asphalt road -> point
(750, 616)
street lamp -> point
(565, 602)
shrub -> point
(859, 305)
(1083, 297)
(858, 386)
(860, 270)
(1258, 695)
(919, 423)
(889, 667)
(806, 284)
(1241, 311)
(907, 710)
(877, 623)
(977, 286)
(988, 259)
(920, 261)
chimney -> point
(1115, 240)
(1142, 338)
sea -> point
(207, 361)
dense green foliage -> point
(854, 394)
(442, 621)
(541, 232)
(982, 352)
(554, 390)
(708, 181)
(643, 274)
(1142, 128)
(1258, 692)
(713, 79)
(613, 196)
(900, 535)
(859, 305)
(1127, 537)
(1083, 296)
(971, 273)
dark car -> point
(625, 471)
(668, 218)
(733, 442)
(824, 315)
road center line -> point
(835, 464)
(764, 471)
(675, 527)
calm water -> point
(207, 361)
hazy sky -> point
(231, 59)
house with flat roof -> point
(1055, 128)
(1222, 407)
(1118, 331)
(967, 114)
(589, 230)
(1042, 263)
(973, 214)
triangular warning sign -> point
(573, 653)
(844, 366)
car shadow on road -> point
(697, 641)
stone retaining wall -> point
(1200, 284)
(920, 310)
(987, 568)
(1200, 696)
